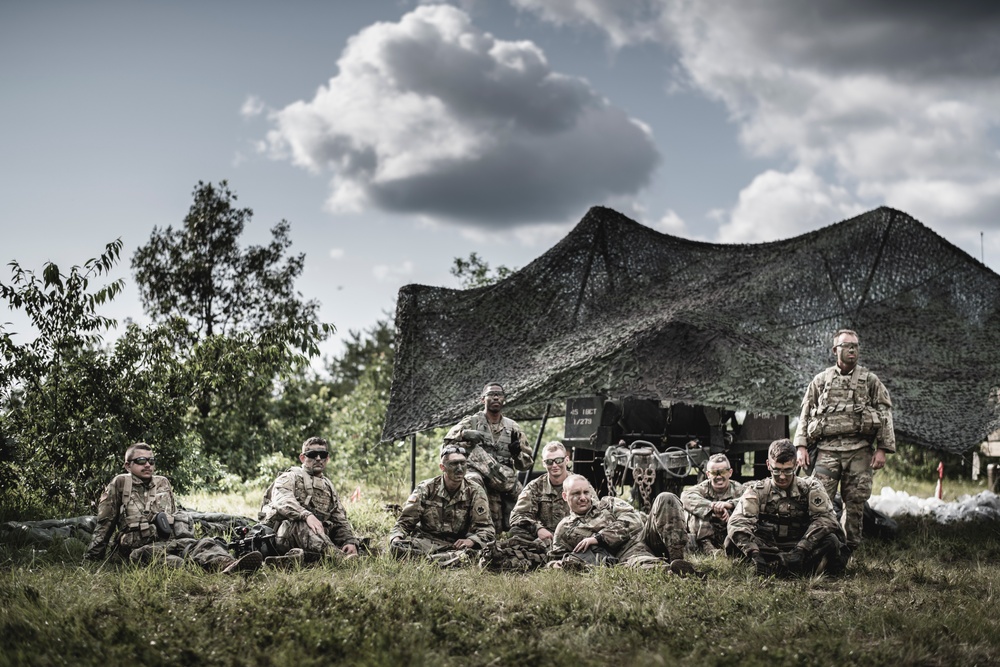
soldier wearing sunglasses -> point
(785, 524)
(847, 421)
(710, 503)
(138, 516)
(540, 506)
(305, 511)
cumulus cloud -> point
(670, 223)
(434, 117)
(337, 253)
(391, 274)
(253, 106)
(900, 105)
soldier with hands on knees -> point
(497, 449)
(304, 510)
(847, 419)
(541, 507)
(445, 514)
(138, 516)
(786, 524)
(710, 503)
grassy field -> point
(928, 598)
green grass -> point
(928, 598)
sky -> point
(395, 136)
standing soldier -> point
(138, 516)
(846, 414)
(304, 510)
(786, 524)
(497, 450)
(710, 503)
(444, 514)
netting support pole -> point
(413, 461)
(538, 442)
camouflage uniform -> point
(775, 521)
(433, 519)
(129, 520)
(288, 502)
(843, 424)
(540, 505)
(707, 530)
(491, 464)
(618, 527)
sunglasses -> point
(452, 449)
(719, 473)
(554, 462)
(317, 454)
(143, 460)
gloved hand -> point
(473, 437)
(794, 560)
(760, 564)
(515, 444)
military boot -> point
(247, 563)
(289, 560)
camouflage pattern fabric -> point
(843, 459)
(767, 518)
(617, 526)
(295, 495)
(433, 514)
(128, 522)
(206, 552)
(707, 530)
(491, 464)
(664, 532)
(515, 554)
(540, 505)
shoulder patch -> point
(817, 500)
(412, 498)
(480, 510)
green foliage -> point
(475, 272)
(362, 349)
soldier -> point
(786, 524)
(497, 450)
(444, 514)
(305, 511)
(846, 412)
(541, 507)
(611, 530)
(710, 504)
(138, 516)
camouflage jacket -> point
(697, 500)
(540, 505)
(433, 511)
(614, 522)
(871, 394)
(129, 520)
(296, 494)
(497, 443)
(766, 516)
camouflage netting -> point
(617, 308)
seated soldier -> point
(138, 516)
(541, 507)
(445, 514)
(611, 530)
(786, 524)
(304, 510)
(497, 448)
(710, 503)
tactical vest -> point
(269, 515)
(783, 520)
(499, 476)
(843, 410)
(137, 521)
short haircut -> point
(850, 332)
(315, 441)
(448, 450)
(718, 458)
(575, 479)
(553, 445)
(487, 386)
(781, 451)
(139, 446)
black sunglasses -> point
(317, 454)
(143, 460)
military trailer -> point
(654, 446)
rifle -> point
(254, 538)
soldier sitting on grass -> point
(710, 504)
(138, 516)
(445, 516)
(305, 511)
(786, 524)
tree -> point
(362, 350)
(475, 272)
(199, 273)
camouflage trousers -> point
(420, 545)
(852, 472)
(829, 556)
(501, 502)
(706, 535)
(298, 535)
(665, 533)
(206, 552)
